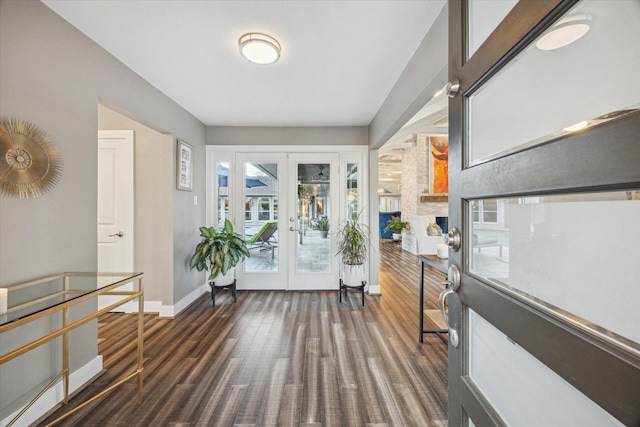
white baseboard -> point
(173, 310)
(52, 397)
(165, 310)
(374, 289)
(186, 301)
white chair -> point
(427, 245)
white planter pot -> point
(226, 279)
(353, 275)
(396, 236)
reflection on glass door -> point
(313, 248)
(258, 189)
(223, 193)
(260, 195)
(314, 215)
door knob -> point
(453, 239)
(452, 88)
(119, 234)
(453, 284)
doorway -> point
(115, 219)
(288, 207)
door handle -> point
(452, 88)
(118, 234)
(293, 229)
(453, 284)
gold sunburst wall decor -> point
(29, 162)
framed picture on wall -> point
(438, 161)
(184, 169)
(439, 165)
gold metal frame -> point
(67, 327)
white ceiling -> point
(339, 60)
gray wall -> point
(53, 76)
(346, 135)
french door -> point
(544, 165)
(279, 202)
(313, 191)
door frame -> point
(229, 153)
(569, 351)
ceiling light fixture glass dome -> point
(259, 48)
(565, 32)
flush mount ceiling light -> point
(564, 32)
(259, 48)
(578, 126)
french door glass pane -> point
(483, 17)
(260, 225)
(531, 394)
(313, 245)
(550, 89)
(352, 190)
(223, 193)
(564, 254)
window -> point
(264, 209)
(485, 211)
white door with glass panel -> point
(312, 220)
(545, 192)
(259, 186)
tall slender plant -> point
(218, 252)
(353, 242)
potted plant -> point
(396, 225)
(219, 252)
(323, 226)
(353, 248)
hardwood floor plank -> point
(226, 415)
(345, 368)
(222, 387)
(290, 406)
(270, 410)
(311, 401)
(332, 413)
(371, 407)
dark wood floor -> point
(281, 359)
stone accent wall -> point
(415, 182)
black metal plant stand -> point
(214, 288)
(345, 287)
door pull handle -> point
(118, 234)
(453, 284)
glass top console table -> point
(56, 295)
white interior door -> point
(313, 197)
(115, 202)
